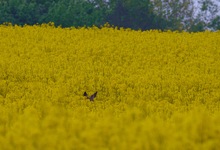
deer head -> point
(91, 98)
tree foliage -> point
(141, 14)
(136, 15)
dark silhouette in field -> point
(91, 98)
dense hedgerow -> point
(156, 90)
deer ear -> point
(93, 96)
(85, 94)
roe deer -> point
(91, 98)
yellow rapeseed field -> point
(156, 90)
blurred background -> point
(181, 15)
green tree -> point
(209, 14)
(74, 13)
(184, 15)
(18, 11)
(135, 14)
(215, 24)
(24, 11)
(179, 13)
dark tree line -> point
(135, 14)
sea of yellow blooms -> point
(156, 90)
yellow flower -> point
(156, 90)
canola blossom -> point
(155, 90)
